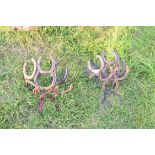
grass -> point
(82, 107)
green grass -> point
(82, 107)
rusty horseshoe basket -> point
(53, 88)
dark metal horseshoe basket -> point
(110, 73)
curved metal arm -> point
(49, 71)
(117, 58)
(103, 75)
(121, 76)
(64, 78)
(34, 70)
(96, 71)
